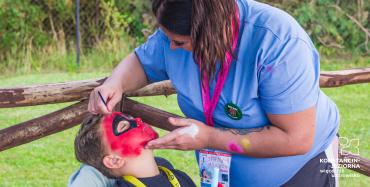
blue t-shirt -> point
(276, 72)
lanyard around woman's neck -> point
(208, 104)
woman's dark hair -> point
(209, 23)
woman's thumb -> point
(111, 103)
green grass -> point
(353, 102)
(50, 160)
(332, 64)
(102, 57)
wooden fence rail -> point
(344, 77)
(74, 91)
(71, 116)
(42, 126)
(79, 91)
(351, 160)
(67, 92)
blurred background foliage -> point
(39, 35)
(37, 45)
(336, 26)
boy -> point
(114, 145)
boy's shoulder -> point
(163, 162)
(89, 176)
(184, 179)
(162, 179)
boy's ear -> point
(113, 161)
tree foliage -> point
(36, 24)
(336, 26)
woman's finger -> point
(178, 145)
(113, 101)
(91, 106)
(179, 121)
(173, 145)
(101, 107)
(170, 147)
(97, 100)
(166, 140)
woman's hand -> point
(192, 135)
(111, 92)
(128, 75)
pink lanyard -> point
(208, 104)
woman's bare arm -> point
(128, 75)
(290, 134)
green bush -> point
(36, 33)
(37, 24)
(19, 27)
(332, 24)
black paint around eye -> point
(117, 119)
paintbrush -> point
(102, 99)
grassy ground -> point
(49, 161)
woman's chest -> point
(238, 105)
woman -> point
(247, 78)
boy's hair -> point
(89, 146)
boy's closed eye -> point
(123, 126)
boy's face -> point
(125, 135)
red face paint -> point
(130, 139)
